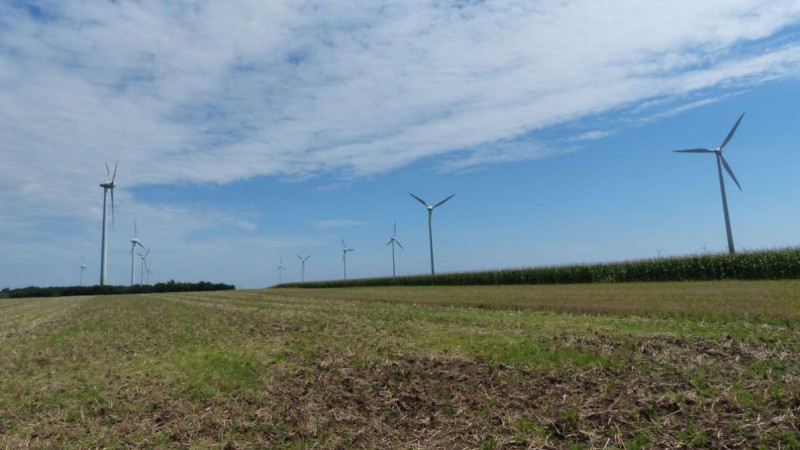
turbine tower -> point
(106, 186)
(345, 249)
(393, 241)
(144, 265)
(279, 269)
(430, 218)
(720, 164)
(83, 267)
(134, 243)
(303, 270)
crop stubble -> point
(281, 369)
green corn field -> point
(758, 265)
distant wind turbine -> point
(345, 249)
(134, 243)
(148, 266)
(303, 270)
(279, 269)
(83, 267)
(393, 241)
(106, 186)
(144, 264)
(720, 164)
(430, 218)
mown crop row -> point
(759, 265)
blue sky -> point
(251, 131)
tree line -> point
(64, 291)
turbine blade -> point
(309, 256)
(390, 241)
(343, 244)
(398, 243)
(694, 150)
(395, 229)
(419, 200)
(108, 172)
(139, 244)
(114, 177)
(300, 257)
(442, 202)
(135, 233)
(730, 172)
(147, 253)
(730, 135)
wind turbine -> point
(134, 243)
(303, 270)
(83, 267)
(345, 249)
(720, 164)
(279, 269)
(106, 186)
(393, 241)
(144, 264)
(430, 218)
(149, 270)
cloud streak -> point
(337, 223)
(216, 93)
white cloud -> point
(218, 92)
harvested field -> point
(518, 367)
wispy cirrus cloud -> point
(217, 92)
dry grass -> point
(778, 300)
(527, 369)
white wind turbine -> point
(430, 219)
(393, 241)
(148, 266)
(279, 269)
(83, 267)
(144, 265)
(720, 164)
(345, 249)
(134, 243)
(303, 270)
(106, 187)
